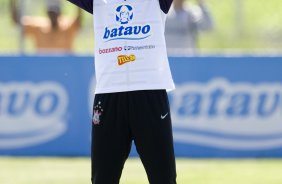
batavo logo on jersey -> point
(124, 15)
(122, 59)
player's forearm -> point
(86, 5)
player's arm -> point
(86, 5)
(165, 5)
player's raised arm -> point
(86, 5)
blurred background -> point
(226, 60)
(239, 26)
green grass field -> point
(77, 171)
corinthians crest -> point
(97, 112)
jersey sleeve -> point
(165, 5)
(86, 5)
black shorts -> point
(139, 116)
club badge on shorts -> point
(97, 112)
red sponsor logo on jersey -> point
(110, 50)
(122, 59)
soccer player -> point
(132, 76)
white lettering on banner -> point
(240, 116)
(31, 113)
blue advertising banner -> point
(222, 107)
(44, 105)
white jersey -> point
(130, 50)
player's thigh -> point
(111, 138)
(152, 132)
